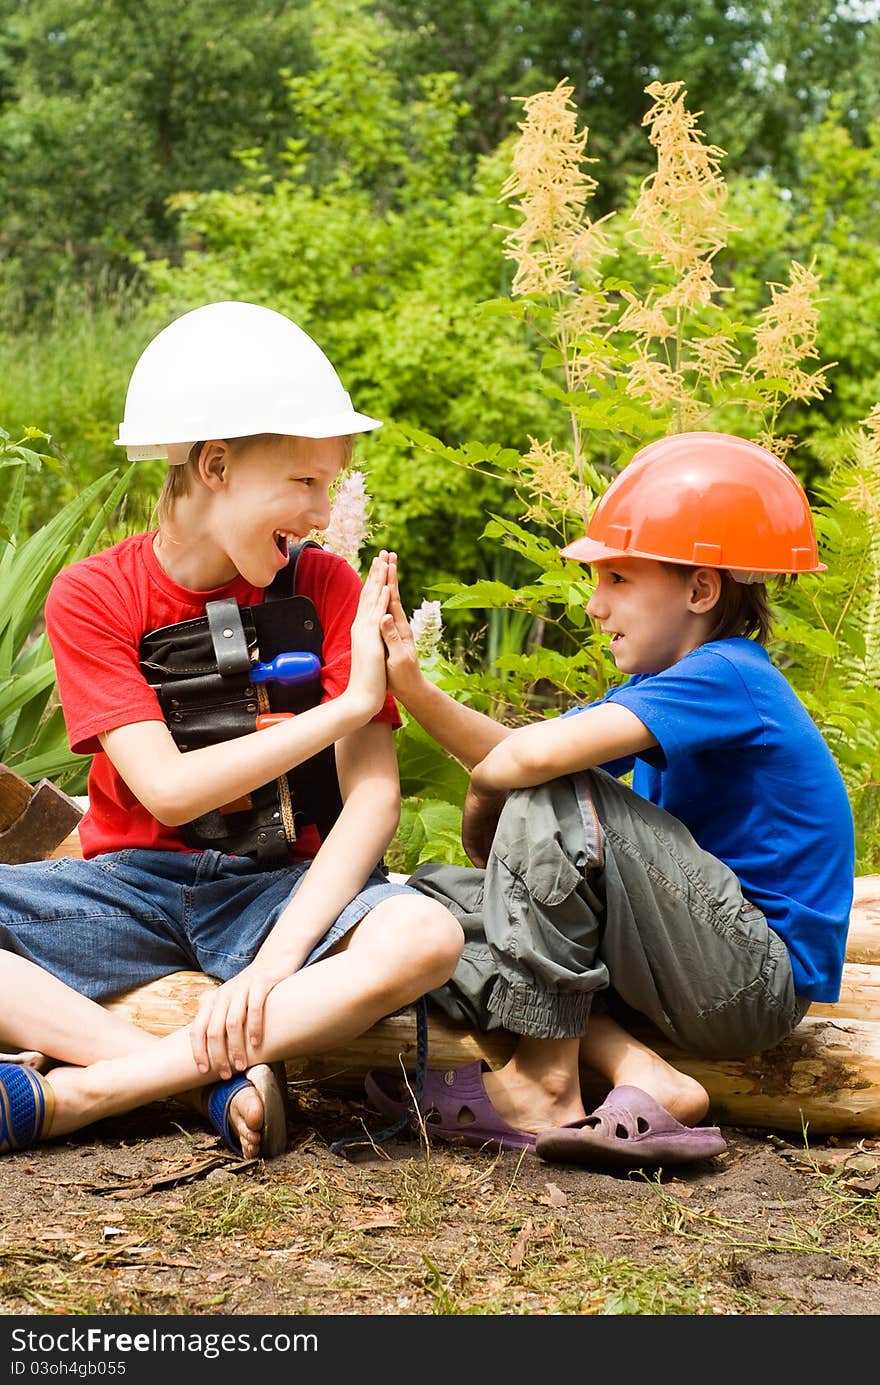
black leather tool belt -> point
(201, 670)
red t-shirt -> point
(96, 612)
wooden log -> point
(69, 847)
(826, 1075)
(34, 819)
(863, 940)
(859, 995)
(164, 1005)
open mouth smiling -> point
(283, 539)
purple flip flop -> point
(629, 1129)
(454, 1106)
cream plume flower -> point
(680, 210)
(552, 189)
(548, 476)
(787, 335)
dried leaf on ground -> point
(184, 1172)
(518, 1253)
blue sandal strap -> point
(26, 1107)
(219, 1102)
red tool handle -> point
(273, 719)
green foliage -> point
(19, 454)
(33, 738)
(359, 208)
(828, 630)
(837, 208)
(344, 162)
(108, 109)
(765, 72)
(433, 786)
(429, 830)
(72, 372)
(830, 216)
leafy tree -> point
(105, 110)
(765, 71)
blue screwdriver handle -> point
(287, 669)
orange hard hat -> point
(706, 499)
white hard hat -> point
(230, 370)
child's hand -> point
(228, 1029)
(404, 672)
(479, 821)
(368, 681)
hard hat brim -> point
(587, 550)
(339, 426)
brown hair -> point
(742, 610)
(179, 478)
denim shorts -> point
(122, 919)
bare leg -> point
(77, 1031)
(45, 1014)
(615, 1054)
(394, 957)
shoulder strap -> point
(284, 583)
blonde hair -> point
(179, 479)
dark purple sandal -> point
(453, 1106)
(629, 1129)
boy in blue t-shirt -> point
(712, 897)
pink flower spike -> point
(348, 528)
(427, 627)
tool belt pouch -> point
(200, 670)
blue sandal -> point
(27, 1104)
(271, 1083)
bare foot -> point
(246, 1121)
(245, 1116)
(681, 1095)
(258, 1112)
(529, 1104)
(626, 1062)
(82, 1095)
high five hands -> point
(482, 808)
(404, 673)
(368, 680)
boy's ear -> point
(704, 589)
(213, 460)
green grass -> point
(70, 378)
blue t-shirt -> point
(741, 763)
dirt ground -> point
(147, 1214)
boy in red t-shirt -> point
(311, 941)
